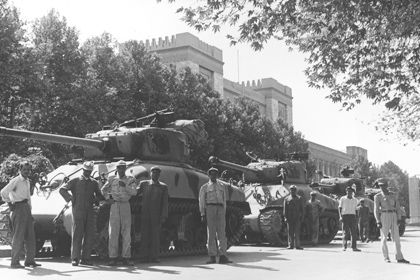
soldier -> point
(84, 191)
(212, 204)
(363, 211)
(314, 211)
(154, 212)
(118, 190)
(388, 216)
(347, 209)
(294, 213)
(17, 193)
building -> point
(273, 99)
(414, 199)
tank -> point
(336, 187)
(266, 183)
(156, 139)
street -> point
(250, 262)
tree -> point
(357, 49)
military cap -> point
(213, 169)
(292, 187)
(155, 168)
(313, 193)
(121, 163)
(88, 165)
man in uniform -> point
(212, 203)
(363, 211)
(314, 211)
(388, 216)
(17, 193)
(154, 212)
(84, 191)
(294, 213)
(347, 209)
(118, 191)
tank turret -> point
(156, 139)
(266, 183)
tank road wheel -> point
(102, 237)
(328, 227)
(5, 225)
(235, 226)
(272, 227)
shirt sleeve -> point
(377, 204)
(5, 192)
(106, 188)
(202, 200)
(397, 208)
(64, 190)
(225, 193)
(131, 188)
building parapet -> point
(183, 40)
(268, 83)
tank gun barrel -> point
(53, 138)
(216, 161)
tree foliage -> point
(358, 49)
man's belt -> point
(387, 211)
(22, 201)
(215, 204)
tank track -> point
(274, 230)
(194, 235)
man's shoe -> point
(224, 260)
(127, 262)
(75, 262)
(113, 262)
(344, 248)
(32, 264)
(86, 262)
(402, 261)
(211, 260)
(387, 260)
(299, 248)
(356, 250)
(16, 265)
(290, 247)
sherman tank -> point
(336, 187)
(163, 142)
(266, 183)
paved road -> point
(251, 262)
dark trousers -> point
(23, 232)
(150, 237)
(293, 228)
(83, 230)
(349, 225)
(364, 229)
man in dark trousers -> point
(17, 193)
(347, 209)
(212, 203)
(84, 192)
(363, 211)
(154, 212)
(294, 213)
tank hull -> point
(183, 233)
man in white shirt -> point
(17, 193)
(347, 208)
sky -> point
(317, 118)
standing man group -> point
(388, 216)
(82, 191)
(17, 193)
(118, 190)
(347, 209)
(294, 213)
(212, 204)
(154, 212)
(314, 211)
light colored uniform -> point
(121, 190)
(17, 192)
(387, 212)
(212, 203)
(314, 210)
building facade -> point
(273, 99)
(414, 199)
